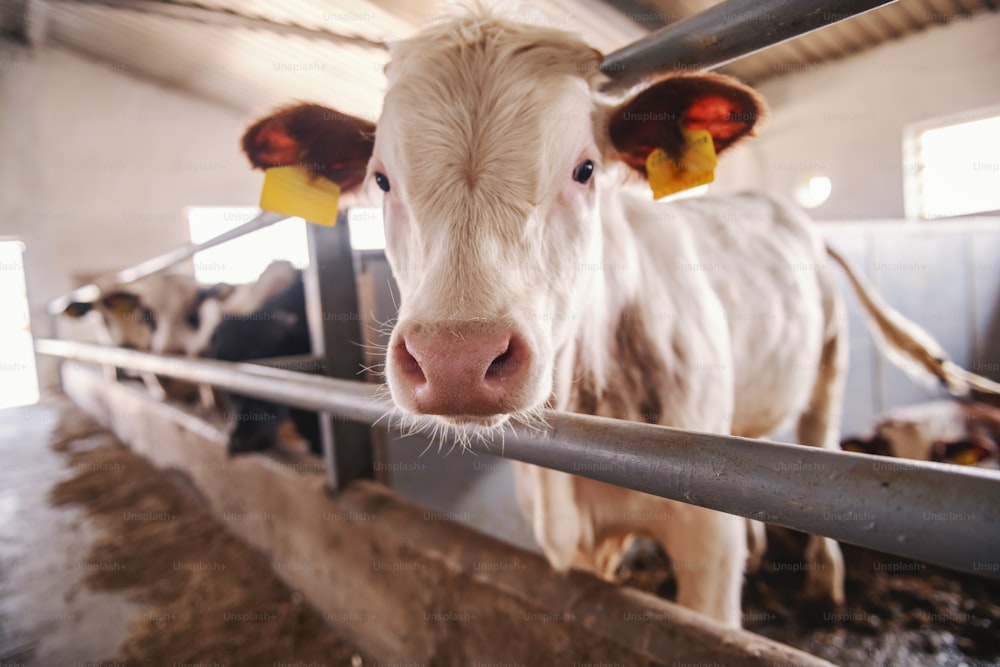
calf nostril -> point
(408, 365)
(505, 364)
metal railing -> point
(938, 513)
(163, 262)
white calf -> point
(531, 276)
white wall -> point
(96, 167)
(846, 118)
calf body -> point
(715, 315)
(276, 327)
(532, 274)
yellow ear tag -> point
(966, 458)
(696, 166)
(294, 191)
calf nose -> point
(461, 370)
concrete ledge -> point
(405, 586)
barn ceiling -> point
(252, 54)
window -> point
(18, 382)
(952, 167)
(242, 260)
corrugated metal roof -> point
(854, 35)
(253, 54)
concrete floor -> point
(48, 617)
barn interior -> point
(120, 126)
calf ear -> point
(657, 116)
(77, 309)
(322, 140)
(120, 302)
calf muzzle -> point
(460, 370)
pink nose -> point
(461, 370)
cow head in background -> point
(126, 322)
(488, 151)
(157, 314)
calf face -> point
(125, 321)
(488, 154)
(158, 314)
(234, 301)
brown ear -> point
(322, 140)
(77, 309)
(655, 118)
(121, 303)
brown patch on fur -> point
(585, 400)
(636, 380)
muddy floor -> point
(897, 613)
(210, 599)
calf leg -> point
(548, 499)
(819, 426)
(756, 544)
(153, 386)
(206, 397)
(708, 550)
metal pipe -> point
(346, 399)
(162, 262)
(723, 33)
(941, 514)
(300, 363)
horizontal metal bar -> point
(723, 33)
(162, 262)
(346, 399)
(299, 363)
(941, 514)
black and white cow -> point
(532, 275)
(277, 328)
(159, 313)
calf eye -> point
(583, 171)
(382, 181)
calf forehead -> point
(486, 106)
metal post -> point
(723, 33)
(334, 326)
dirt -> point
(211, 598)
(898, 612)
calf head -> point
(127, 322)
(158, 314)
(489, 147)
